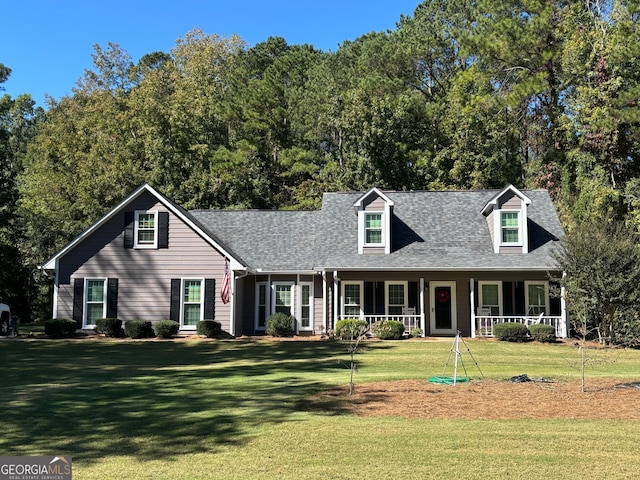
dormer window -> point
(374, 210)
(510, 227)
(373, 229)
(506, 215)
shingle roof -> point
(442, 230)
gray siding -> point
(144, 275)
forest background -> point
(461, 95)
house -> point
(441, 261)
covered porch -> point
(483, 324)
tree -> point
(601, 265)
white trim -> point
(291, 285)
(423, 318)
(324, 302)
(85, 293)
(299, 307)
(136, 226)
(432, 301)
(490, 205)
(234, 263)
(546, 294)
(182, 302)
(472, 305)
(56, 283)
(381, 243)
(481, 283)
(387, 284)
(343, 303)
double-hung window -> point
(396, 298)
(95, 300)
(491, 297)
(262, 305)
(283, 298)
(146, 229)
(352, 299)
(510, 227)
(536, 297)
(192, 301)
(373, 229)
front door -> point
(442, 298)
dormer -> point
(506, 215)
(374, 210)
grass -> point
(206, 409)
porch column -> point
(336, 297)
(472, 301)
(232, 304)
(564, 329)
(324, 302)
(423, 322)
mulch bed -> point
(610, 399)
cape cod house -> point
(441, 261)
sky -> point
(48, 44)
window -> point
(373, 229)
(491, 297)
(396, 298)
(510, 226)
(352, 299)
(95, 300)
(262, 306)
(305, 306)
(536, 297)
(146, 229)
(192, 299)
(284, 298)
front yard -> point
(271, 409)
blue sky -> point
(48, 44)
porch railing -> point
(484, 323)
(410, 322)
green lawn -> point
(207, 409)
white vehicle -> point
(5, 319)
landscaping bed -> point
(603, 399)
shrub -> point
(139, 329)
(627, 330)
(209, 328)
(416, 332)
(279, 325)
(511, 332)
(388, 329)
(166, 328)
(543, 333)
(350, 328)
(110, 327)
(60, 327)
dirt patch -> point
(611, 399)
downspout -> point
(336, 280)
(324, 302)
(564, 328)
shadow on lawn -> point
(152, 400)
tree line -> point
(460, 95)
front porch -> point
(483, 324)
(411, 321)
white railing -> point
(484, 323)
(410, 322)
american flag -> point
(224, 291)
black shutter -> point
(163, 229)
(380, 293)
(112, 298)
(128, 229)
(369, 297)
(174, 310)
(78, 300)
(210, 299)
(412, 297)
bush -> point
(110, 327)
(388, 329)
(627, 330)
(209, 328)
(60, 327)
(511, 332)
(139, 329)
(416, 332)
(166, 328)
(543, 333)
(351, 328)
(279, 325)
